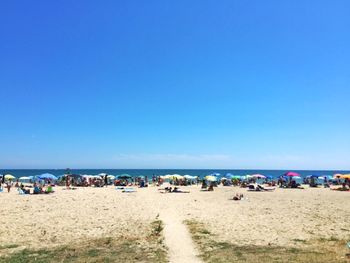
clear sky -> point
(175, 84)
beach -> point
(284, 217)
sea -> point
(157, 172)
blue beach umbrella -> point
(47, 176)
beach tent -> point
(211, 178)
(47, 176)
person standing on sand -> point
(106, 180)
(67, 181)
(8, 186)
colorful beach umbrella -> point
(258, 176)
(291, 174)
(337, 175)
(211, 178)
(47, 176)
(24, 178)
(190, 177)
(345, 176)
(9, 177)
(124, 176)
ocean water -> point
(150, 172)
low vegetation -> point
(108, 249)
(316, 251)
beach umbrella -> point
(236, 177)
(211, 178)
(9, 177)
(337, 175)
(47, 176)
(24, 178)
(313, 176)
(215, 174)
(124, 176)
(345, 176)
(258, 176)
(177, 176)
(190, 177)
(111, 177)
(102, 174)
(291, 174)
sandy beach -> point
(271, 218)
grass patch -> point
(211, 250)
(109, 249)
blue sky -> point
(175, 84)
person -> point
(211, 187)
(36, 189)
(67, 181)
(49, 189)
(237, 197)
(25, 191)
(106, 180)
(8, 186)
(177, 190)
(17, 183)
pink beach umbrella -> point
(291, 174)
(259, 176)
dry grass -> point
(316, 251)
(108, 249)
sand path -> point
(178, 239)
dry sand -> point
(276, 218)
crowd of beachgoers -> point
(43, 184)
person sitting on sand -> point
(177, 190)
(211, 187)
(344, 187)
(49, 189)
(237, 197)
(204, 185)
(25, 191)
(36, 189)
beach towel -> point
(129, 190)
